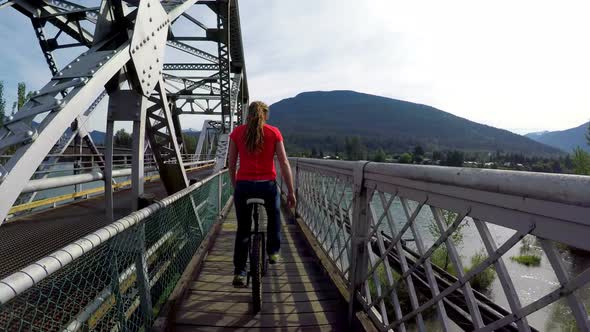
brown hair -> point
(257, 112)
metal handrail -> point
(19, 281)
(346, 205)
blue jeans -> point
(268, 191)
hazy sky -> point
(518, 65)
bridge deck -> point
(297, 294)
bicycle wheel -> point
(256, 261)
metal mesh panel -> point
(122, 283)
(402, 255)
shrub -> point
(483, 280)
(528, 260)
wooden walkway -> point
(297, 294)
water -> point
(531, 283)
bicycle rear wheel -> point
(256, 261)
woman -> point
(256, 144)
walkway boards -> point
(297, 295)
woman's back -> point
(257, 165)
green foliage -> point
(189, 143)
(123, 139)
(401, 290)
(455, 158)
(588, 134)
(528, 260)
(440, 257)
(380, 156)
(405, 158)
(581, 161)
(354, 149)
(21, 95)
(483, 280)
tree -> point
(455, 158)
(581, 161)
(418, 151)
(189, 143)
(588, 134)
(2, 103)
(21, 95)
(379, 156)
(122, 138)
(354, 148)
(405, 158)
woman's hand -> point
(291, 200)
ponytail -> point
(257, 112)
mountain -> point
(324, 119)
(565, 140)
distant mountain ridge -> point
(325, 118)
(566, 140)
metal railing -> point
(118, 277)
(394, 233)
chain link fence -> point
(117, 278)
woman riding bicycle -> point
(256, 144)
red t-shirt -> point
(258, 166)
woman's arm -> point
(286, 173)
(232, 161)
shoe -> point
(274, 258)
(239, 280)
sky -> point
(517, 65)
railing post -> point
(359, 237)
(219, 194)
(296, 185)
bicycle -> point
(258, 261)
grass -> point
(528, 260)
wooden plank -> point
(219, 278)
(228, 268)
(317, 328)
(165, 316)
(246, 308)
(233, 297)
(284, 259)
(269, 287)
(260, 320)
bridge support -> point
(359, 260)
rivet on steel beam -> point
(78, 60)
(143, 81)
(153, 34)
(114, 51)
(150, 67)
(99, 64)
(10, 118)
(155, 47)
(108, 57)
(36, 92)
(69, 66)
(29, 133)
(92, 72)
(137, 104)
(61, 74)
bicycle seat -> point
(255, 201)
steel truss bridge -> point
(355, 254)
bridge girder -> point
(74, 90)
